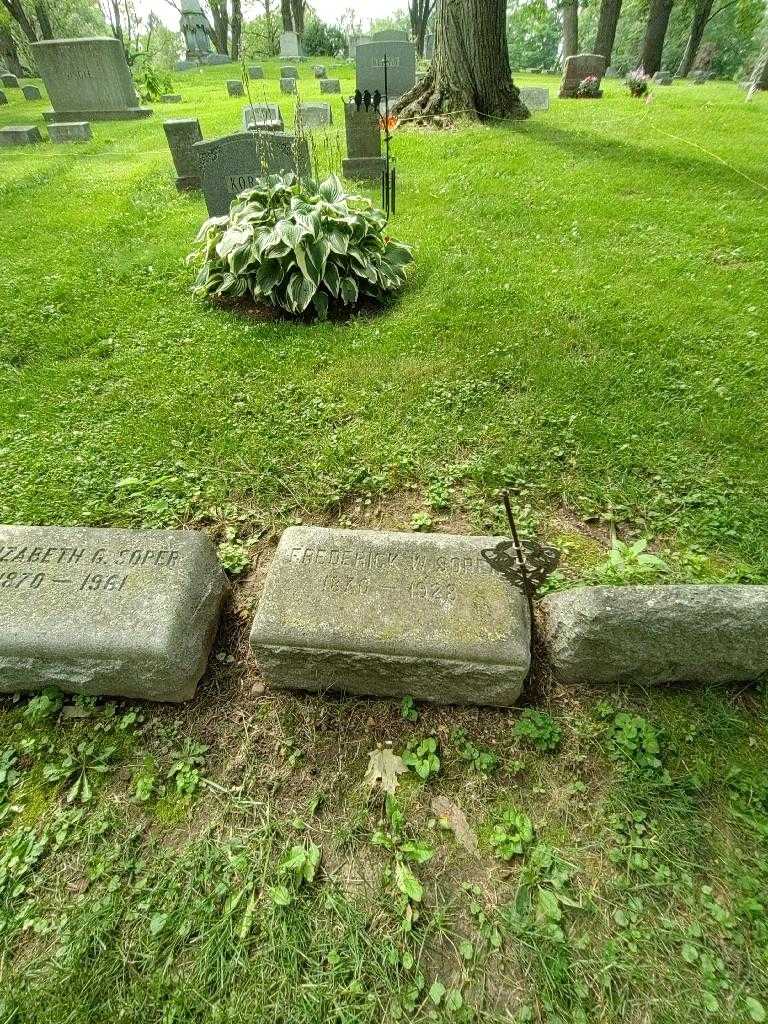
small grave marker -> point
(31, 92)
(320, 71)
(391, 614)
(577, 68)
(235, 87)
(263, 116)
(170, 98)
(289, 72)
(535, 98)
(9, 81)
(182, 134)
(364, 161)
(127, 613)
(330, 85)
(256, 71)
(288, 85)
(73, 131)
(20, 135)
(315, 115)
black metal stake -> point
(520, 561)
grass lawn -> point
(585, 324)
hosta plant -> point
(293, 244)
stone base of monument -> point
(126, 114)
(125, 613)
(392, 614)
(20, 135)
(75, 131)
(363, 168)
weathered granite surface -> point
(20, 135)
(577, 68)
(330, 85)
(315, 115)
(264, 116)
(535, 98)
(657, 634)
(170, 97)
(75, 131)
(289, 71)
(291, 44)
(391, 614)
(288, 85)
(31, 92)
(9, 81)
(182, 134)
(256, 71)
(129, 613)
(235, 87)
(401, 66)
(87, 80)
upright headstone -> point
(74, 131)
(182, 134)
(291, 45)
(663, 78)
(288, 85)
(231, 164)
(354, 42)
(256, 71)
(9, 81)
(611, 72)
(401, 67)
(364, 161)
(196, 31)
(330, 85)
(20, 135)
(314, 115)
(235, 87)
(263, 117)
(4, 98)
(390, 35)
(87, 80)
(577, 68)
(289, 71)
(218, 58)
(128, 613)
(392, 614)
(320, 71)
(535, 98)
(31, 92)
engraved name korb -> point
(540, 562)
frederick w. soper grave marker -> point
(392, 614)
(122, 612)
(87, 80)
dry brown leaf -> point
(452, 817)
(383, 770)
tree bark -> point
(235, 29)
(570, 28)
(220, 33)
(606, 28)
(297, 16)
(419, 12)
(286, 15)
(19, 15)
(759, 80)
(44, 20)
(655, 33)
(470, 73)
(701, 15)
(9, 53)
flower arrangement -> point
(638, 83)
(589, 87)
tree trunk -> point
(286, 15)
(419, 12)
(759, 80)
(297, 16)
(470, 73)
(19, 15)
(701, 15)
(606, 28)
(9, 53)
(44, 20)
(235, 30)
(570, 28)
(220, 34)
(655, 33)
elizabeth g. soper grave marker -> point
(87, 80)
(392, 614)
(117, 612)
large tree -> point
(27, 24)
(759, 80)
(419, 12)
(292, 13)
(606, 28)
(470, 72)
(655, 34)
(570, 11)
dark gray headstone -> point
(218, 58)
(289, 71)
(401, 66)
(182, 134)
(330, 85)
(288, 85)
(315, 115)
(73, 131)
(320, 71)
(577, 68)
(129, 613)
(364, 161)
(663, 78)
(9, 81)
(20, 135)
(235, 87)
(256, 71)
(263, 116)
(31, 92)
(231, 164)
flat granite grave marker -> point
(182, 134)
(263, 117)
(20, 135)
(31, 92)
(234, 163)
(129, 613)
(577, 68)
(330, 85)
(314, 115)
(235, 87)
(401, 66)
(87, 80)
(9, 81)
(73, 131)
(535, 98)
(363, 161)
(391, 614)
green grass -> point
(585, 324)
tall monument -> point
(195, 28)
